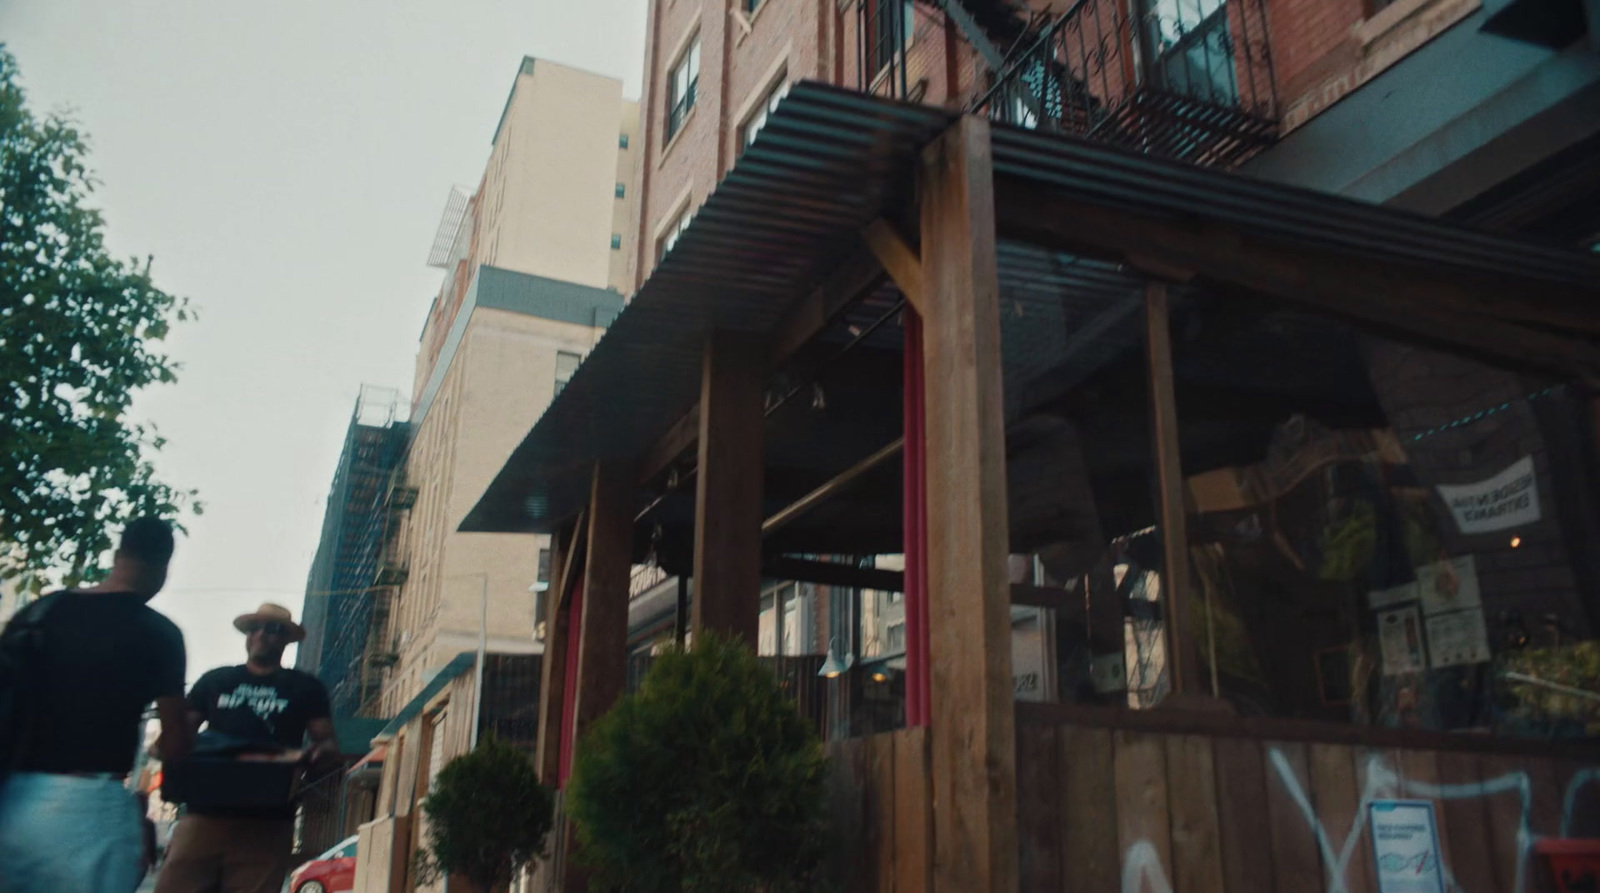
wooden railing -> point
(1232, 804)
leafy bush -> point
(487, 816)
(706, 780)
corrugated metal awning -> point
(828, 162)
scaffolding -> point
(353, 576)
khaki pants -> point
(219, 855)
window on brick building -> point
(616, 241)
(621, 190)
(1192, 48)
(622, 141)
(566, 365)
(758, 118)
(750, 6)
(669, 240)
(889, 28)
(682, 84)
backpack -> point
(22, 646)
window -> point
(621, 190)
(889, 26)
(622, 141)
(750, 6)
(758, 118)
(670, 240)
(681, 86)
(1191, 48)
(566, 364)
(543, 574)
(616, 241)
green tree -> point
(488, 816)
(78, 336)
(707, 780)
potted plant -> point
(488, 816)
(706, 780)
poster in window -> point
(1449, 586)
(1507, 500)
(1457, 638)
(1395, 595)
(1400, 639)
(1405, 846)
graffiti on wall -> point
(1142, 871)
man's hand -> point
(325, 745)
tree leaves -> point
(487, 816)
(78, 334)
(707, 780)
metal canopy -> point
(828, 162)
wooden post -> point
(1182, 658)
(972, 721)
(727, 522)
(603, 639)
(602, 642)
(553, 665)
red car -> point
(331, 872)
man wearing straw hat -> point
(248, 850)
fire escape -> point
(382, 649)
(1185, 79)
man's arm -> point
(177, 737)
(324, 742)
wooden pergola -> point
(853, 217)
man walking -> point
(247, 850)
(100, 656)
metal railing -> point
(1186, 79)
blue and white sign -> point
(1405, 846)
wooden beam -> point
(727, 522)
(821, 494)
(1495, 321)
(603, 631)
(1182, 655)
(858, 275)
(972, 722)
(572, 563)
(832, 573)
(553, 664)
(672, 445)
(899, 260)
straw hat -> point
(270, 613)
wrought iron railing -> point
(1187, 79)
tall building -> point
(535, 261)
(338, 604)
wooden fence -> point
(1110, 800)
(881, 813)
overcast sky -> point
(286, 164)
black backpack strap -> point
(21, 644)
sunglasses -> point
(271, 628)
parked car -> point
(331, 872)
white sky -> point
(286, 162)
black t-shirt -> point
(107, 655)
(276, 707)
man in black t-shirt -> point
(264, 703)
(66, 820)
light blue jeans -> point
(66, 834)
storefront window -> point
(1386, 533)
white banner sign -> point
(1509, 499)
(1405, 846)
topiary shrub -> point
(706, 780)
(488, 816)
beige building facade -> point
(534, 264)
